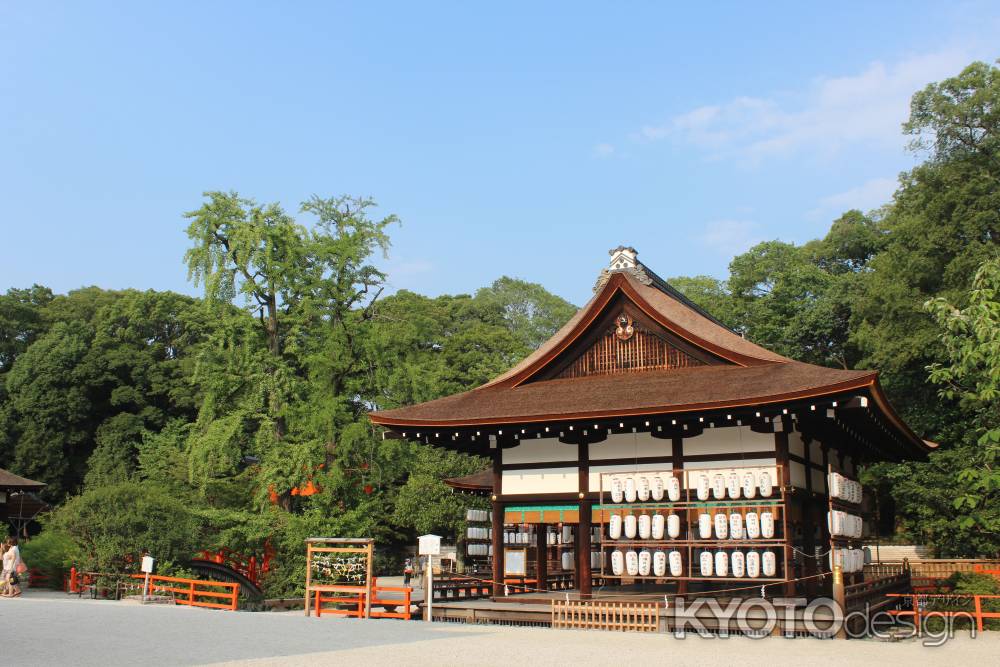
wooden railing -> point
(350, 601)
(195, 592)
(875, 592)
(935, 568)
(593, 615)
(921, 608)
(248, 566)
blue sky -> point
(510, 138)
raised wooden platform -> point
(535, 609)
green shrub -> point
(110, 527)
(50, 553)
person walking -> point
(13, 569)
(3, 569)
(407, 572)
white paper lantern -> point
(617, 491)
(721, 526)
(766, 525)
(645, 563)
(630, 526)
(657, 528)
(631, 563)
(703, 487)
(718, 486)
(749, 484)
(737, 563)
(753, 525)
(630, 490)
(615, 527)
(733, 485)
(765, 483)
(753, 564)
(768, 563)
(645, 526)
(642, 488)
(676, 563)
(836, 483)
(736, 526)
(673, 526)
(705, 526)
(617, 563)
(659, 564)
(567, 534)
(721, 564)
(706, 563)
(674, 490)
(656, 491)
(567, 560)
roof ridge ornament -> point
(624, 259)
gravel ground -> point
(53, 629)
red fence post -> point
(979, 613)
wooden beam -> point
(781, 456)
(584, 574)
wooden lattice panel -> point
(596, 615)
(642, 351)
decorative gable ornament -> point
(625, 328)
(624, 259)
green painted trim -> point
(540, 508)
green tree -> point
(944, 222)
(111, 526)
(22, 321)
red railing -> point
(195, 592)
(352, 601)
(919, 611)
(248, 566)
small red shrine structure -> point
(617, 445)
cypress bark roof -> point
(723, 370)
(11, 482)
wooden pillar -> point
(584, 575)
(809, 522)
(541, 557)
(677, 463)
(497, 526)
(781, 456)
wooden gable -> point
(623, 339)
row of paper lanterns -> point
(733, 485)
(850, 560)
(480, 549)
(569, 563)
(480, 516)
(842, 524)
(718, 564)
(845, 489)
(734, 526)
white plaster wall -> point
(796, 445)
(834, 461)
(596, 473)
(798, 474)
(818, 480)
(629, 445)
(710, 468)
(546, 480)
(816, 452)
(541, 450)
(728, 440)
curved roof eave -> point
(818, 392)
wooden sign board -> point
(515, 562)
